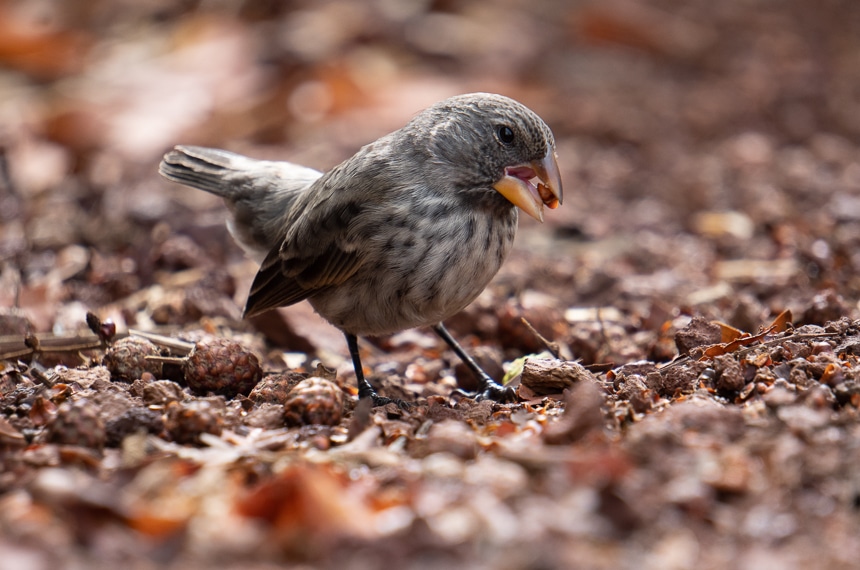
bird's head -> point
(496, 142)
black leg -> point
(365, 390)
(488, 389)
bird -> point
(405, 233)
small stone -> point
(730, 377)
(636, 391)
(77, 423)
(675, 380)
(133, 420)
(700, 332)
(549, 376)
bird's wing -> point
(328, 229)
(281, 282)
(319, 250)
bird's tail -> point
(259, 193)
(210, 169)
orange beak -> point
(517, 186)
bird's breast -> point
(420, 269)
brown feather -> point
(281, 282)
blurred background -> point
(709, 150)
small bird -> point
(405, 233)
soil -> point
(683, 333)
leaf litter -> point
(676, 421)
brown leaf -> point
(781, 322)
(728, 332)
(306, 500)
(150, 524)
(725, 348)
(42, 411)
(41, 53)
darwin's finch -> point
(406, 233)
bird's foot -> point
(382, 401)
(498, 393)
(490, 390)
(366, 392)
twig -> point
(15, 347)
(776, 341)
(178, 360)
(746, 350)
(552, 347)
(181, 346)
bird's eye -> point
(506, 135)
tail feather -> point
(258, 193)
(208, 169)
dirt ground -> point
(683, 332)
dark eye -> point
(506, 135)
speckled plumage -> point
(405, 233)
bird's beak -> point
(517, 186)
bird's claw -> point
(366, 392)
(497, 393)
(382, 401)
(491, 390)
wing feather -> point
(281, 282)
(327, 228)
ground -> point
(683, 332)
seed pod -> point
(185, 421)
(127, 359)
(221, 366)
(275, 388)
(314, 401)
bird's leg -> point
(488, 389)
(365, 390)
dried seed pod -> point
(314, 401)
(274, 389)
(105, 330)
(127, 359)
(160, 392)
(221, 366)
(185, 421)
(77, 423)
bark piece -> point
(553, 376)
